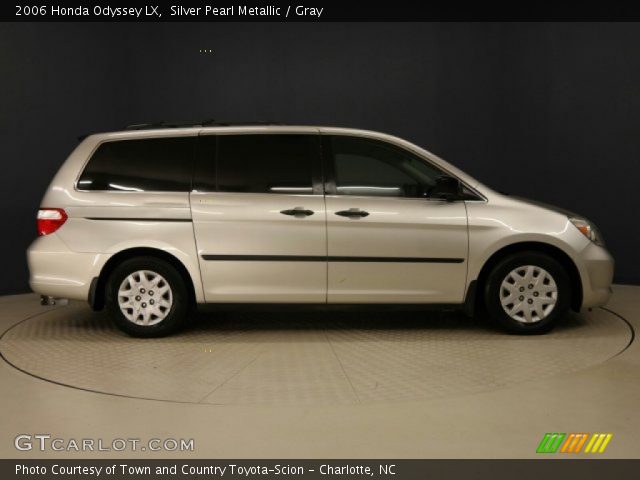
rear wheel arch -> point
(98, 285)
(538, 247)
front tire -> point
(147, 297)
(527, 293)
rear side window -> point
(152, 164)
(274, 163)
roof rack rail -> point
(203, 123)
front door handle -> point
(297, 212)
(353, 212)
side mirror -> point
(447, 188)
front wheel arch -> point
(554, 252)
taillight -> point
(50, 220)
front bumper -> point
(597, 275)
(55, 271)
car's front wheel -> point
(527, 293)
(147, 297)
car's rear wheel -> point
(527, 293)
(147, 297)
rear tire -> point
(527, 293)
(147, 297)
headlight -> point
(588, 229)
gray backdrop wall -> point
(550, 111)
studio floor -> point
(321, 384)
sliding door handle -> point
(297, 212)
(353, 212)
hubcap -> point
(528, 294)
(145, 297)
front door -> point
(389, 240)
(259, 218)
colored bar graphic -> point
(543, 443)
(542, 448)
(596, 445)
(573, 442)
(567, 443)
(550, 442)
(581, 442)
(606, 441)
(590, 444)
(598, 442)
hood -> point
(553, 208)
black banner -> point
(398, 11)
(320, 469)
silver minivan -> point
(156, 219)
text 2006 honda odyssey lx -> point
(152, 220)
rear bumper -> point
(55, 271)
(597, 276)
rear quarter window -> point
(142, 165)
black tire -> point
(177, 315)
(492, 291)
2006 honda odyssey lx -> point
(152, 220)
